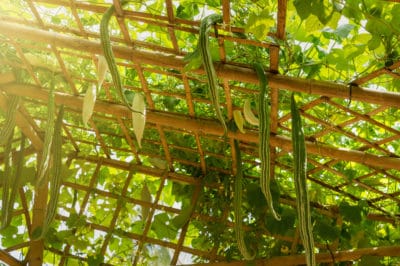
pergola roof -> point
(351, 125)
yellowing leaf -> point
(248, 114)
(145, 196)
(39, 61)
(239, 121)
(102, 69)
(158, 163)
(138, 117)
(88, 104)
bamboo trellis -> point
(61, 41)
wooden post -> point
(35, 254)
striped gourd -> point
(203, 46)
(109, 55)
(7, 134)
(15, 183)
(237, 203)
(300, 178)
(264, 136)
(7, 180)
(48, 137)
(9, 123)
(55, 173)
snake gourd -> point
(7, 181)
(203, 46)
(264, 139)
(44, 162)
(300, 178)
(109, 55)
(237, 203)
(56, 177)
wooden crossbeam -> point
(204, 126)
(348, 255)
(7, 258)
(224, 71)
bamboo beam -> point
(7, 77)
(225, 71)
(7, 258)
(348, 255)
(203, 126)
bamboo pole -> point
(36, 247)
(204, 126)
(7, 258)
(224, 71)
(348, 255)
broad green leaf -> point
(95, 260)
(260, 24)
(351, 213)
(326, 230)
(303, 8)
(193, 60)
(183, 217)
(378, 28)
(374, 42)
(370, 261)
(344, 30)
(162, 227)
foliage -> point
(331, 40)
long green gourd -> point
(237, 203)
(109, 55)
(48, 137)
(264, 139)
(7, 134)
(7, 180)
(9, 123)
(300, 178)
(16, 182)
(203, 45)
(55, 173)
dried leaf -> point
(102, 69)
(88, 104)
(248, 114)
(138, 117)
(239, 121)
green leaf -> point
(260, 24)
(344, 30)
(95, 260)
(303, 8)
(255, 197)
(378, 28)
(374, 42)
(183, 217)
(351, 213)
(370, 261)
(37, 232)
(162, 227)
(187, 10)
(322, 11)
(193, 60)
(285, 225)
(326, 230)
